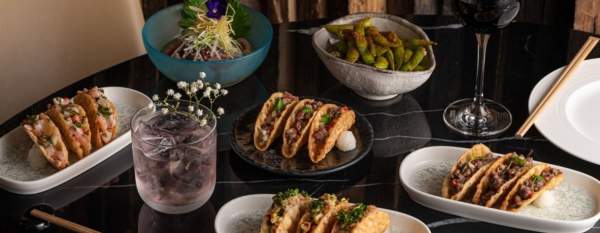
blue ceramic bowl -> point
(163, 26)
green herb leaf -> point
(279, 105)
(536, 178)
(316, 206)
(188, 16)
(347, 218)
(104, 111)
(325, 119)
(518, 159)
(307, 109)
(77, 124)
(282, 196)
(241, 18)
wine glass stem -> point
(482, 41)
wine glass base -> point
(490, 119)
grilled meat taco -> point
(330, 121)
(500, 177)
(71, 120)
(271, 118)
(285, 212)
(530, 186)
(46, 136)
(467, 172)
(295, 132)
(321, 214)
(361, 218)
(101, 113)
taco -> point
(71, 120)
(285, 212)
(531, 185)
(500, 177)
(46, 136)
(270, 120)
(467, 172)
(361, 218)
(101, 113)
(321, 214)
(329, 122)
(295, 132)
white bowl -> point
(367, 81)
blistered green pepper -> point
(390, 57)
(380, 50)
(407, 54)
(352, 54)
(398, 56)
(416, 43)
(380, 39)
(367, 57)
(337, 29)
(392, 37)
(381, 63)
(419, 68)
(341, 46)
(372, 46)
(414, 60)
(361, 42)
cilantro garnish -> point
(519, 160)
(282, 196)
(347, 218)
(104, 111)
(307, 109)
(536, 178)
(325, 119)
(316, 206)
(188, 15)
(279, 105)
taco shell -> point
(267, 108)
(327, 216)
(504, 188)
(478, 150)
(42, 125)
(78, 139)
(536, 170)
(284, 219)
(102, 134)
(317, 151)
(373, 221)
(289, 149)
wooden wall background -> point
(580, 14)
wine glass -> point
(479, 116)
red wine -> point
(486, 16)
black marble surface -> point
(105, 197)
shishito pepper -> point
(341, 46)
(381, 63)
(414, 60)
(416, 43)
(352, 54)
(337, 29)
(380, 50)
(361, 41)
(398, 56)
(392, 37)
(390, 57)
(367, 57)
(407, 54)
(361, 25)
(380, 39)
(372, 46)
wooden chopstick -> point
(61, 222)
(585, 50)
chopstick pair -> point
(583, 52)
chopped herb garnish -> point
(316, 206)
(282, 196)
(279, 105)
(307, 109)
(104, 111)
(77, 124)
(518, 159)
(536, 178)
(30, 119)
(325, 119)
(347, 218)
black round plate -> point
(300, 165)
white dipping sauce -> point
(346, 141)
(547, 199)
(35, 158)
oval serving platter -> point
(300, 165)
(244, 214)
(17, 176)
(575, 210)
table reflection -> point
(200, 220)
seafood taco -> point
(285, 212)
(500, 177)
(467, 172)
(71, 120)
(46, 136)
(295, 132)
(271, 119)
(321, 214)
(329, 122)
(102, 115)
(531, 185)
(361, 218)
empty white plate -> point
(244, 215)
(572, 120)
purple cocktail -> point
(174, 157)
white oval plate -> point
(422, 172)
(572, 120)
(17, 176)
(244, 215)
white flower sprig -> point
(196, 92)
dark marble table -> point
(105, 197)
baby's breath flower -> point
(215, 91)
(217, 86)
(191, 108)
(182, 84)
(201, 75)
(208, 88)
(177, 96)
(193, 89)
(199, 112)
(203, 122)
(220, 111)
(170, 92)
(155, 97)
(224, 92)
(206, 93)
(164, 110)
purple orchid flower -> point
(216, 8)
